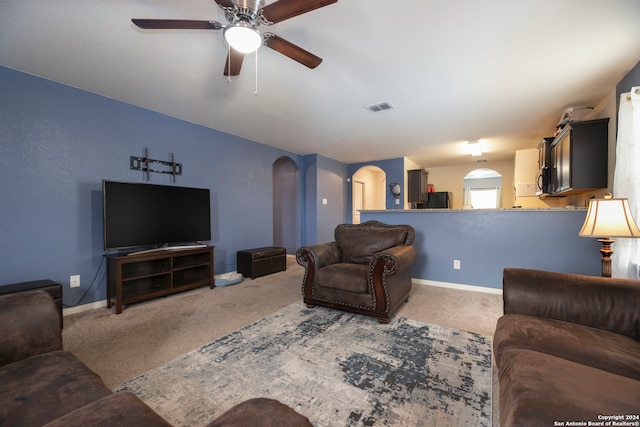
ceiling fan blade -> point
(225, 3)
(176, 24)
(234, 63)
(285, 9)
(291, 50)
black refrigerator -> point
(436, 200)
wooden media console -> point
(133, 278)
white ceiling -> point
(502, 71)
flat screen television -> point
(149, 215)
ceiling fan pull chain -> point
(256, 92)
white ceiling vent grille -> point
(374, 108)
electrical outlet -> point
(74, 281)
(456, 264)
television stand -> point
(161, 272)
(165, 248)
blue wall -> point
(487, 241)
(58, 143)
(325, 178)
(332, 187)
(393, 168)
(630, 80)
(310, 200)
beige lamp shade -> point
(609, 217)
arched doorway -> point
(286, 218)
(482, 189)
(368, 190)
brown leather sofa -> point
(568, 349)
(365, 270)
(41, 384)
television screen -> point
(137, 215)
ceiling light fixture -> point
(475, 148)
(243, 37)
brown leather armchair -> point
(365, 270)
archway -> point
(482, 189)
(368, 190)
(286, 217)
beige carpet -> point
(336, 368)
(145, 335)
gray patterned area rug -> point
(336, 368)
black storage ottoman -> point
(261, 261)
(55, 289)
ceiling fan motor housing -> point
(254, 5)
(245, 11)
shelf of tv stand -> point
(135, 277)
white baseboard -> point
(459, 286)
(471, 288)
(84, 307)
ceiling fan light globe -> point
(243, 37)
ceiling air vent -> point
(374, 108)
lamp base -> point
(606, 252)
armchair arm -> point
(29, 325)
(390, 278)
(314, 257)
(319, 255)
(398, 258)
(599, 302)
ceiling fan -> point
(242, 34)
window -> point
(482, 198)
(482, 189)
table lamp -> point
(608, 218)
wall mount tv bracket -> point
(142, 164)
